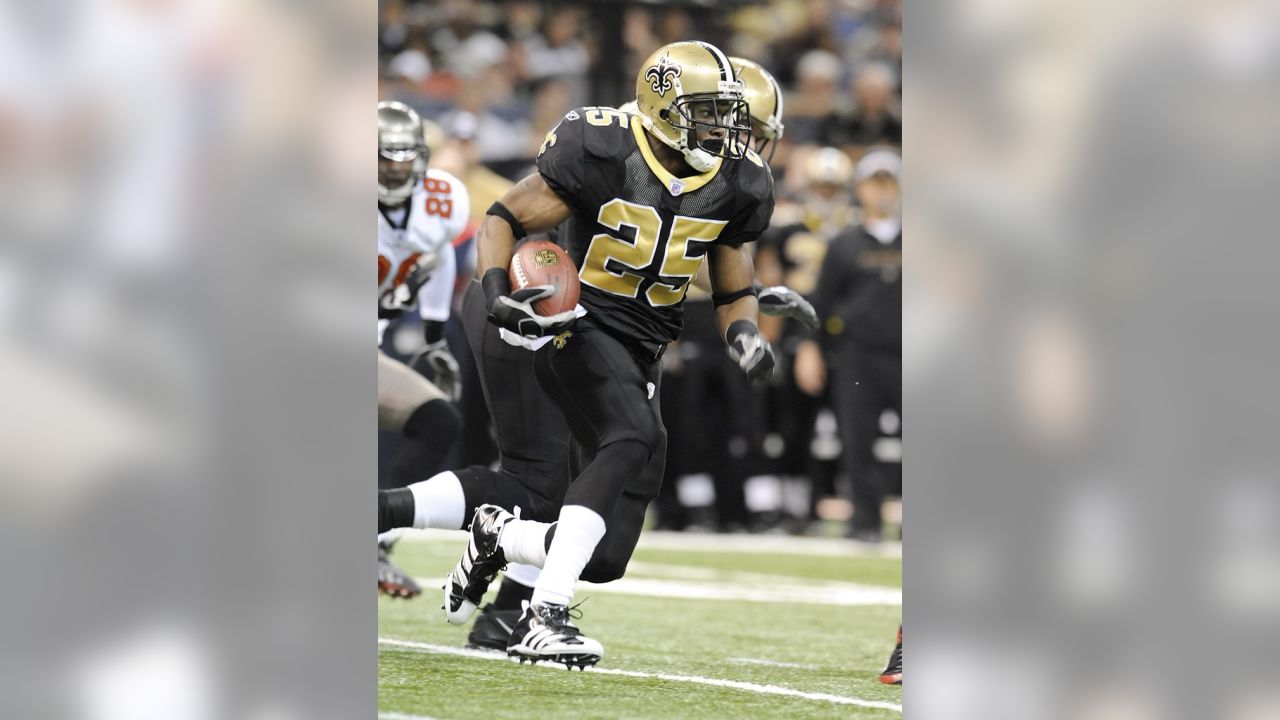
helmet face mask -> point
(712, 124)
(402, 152)
(689, 98)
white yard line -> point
(402, 716)
(780, 590)
(695, 679)
(769, 663)
(728, 542)
(788, 592)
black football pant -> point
(608, 393)
(532, 438)
(864, 383)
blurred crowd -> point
(494, 77)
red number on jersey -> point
(434, 205)
(436, 185)
(384, 267)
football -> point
(542, 262)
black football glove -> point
(781, 301)
(514, 311)
(750, 350)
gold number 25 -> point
(677, 268)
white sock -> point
(525, 542)
(438, 502)
(526, 575)
(577, 534)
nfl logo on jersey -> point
(676, 187)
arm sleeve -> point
(754, 217)
(562, 159)
(436, 296)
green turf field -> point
(693, 610)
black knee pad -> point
(604, 568)
(436, 420)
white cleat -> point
(466, 585)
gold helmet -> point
(690, 98)
(830, 167)
(764, 98)
(402, 152)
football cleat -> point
(547, 632)
(466, 585)
(392, 580)
(892, 674)
(493, 628)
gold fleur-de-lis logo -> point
(661, 77)
(560, 340)
(543, 258)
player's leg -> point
(858, 405)
(532, 440)
(409, 403)
(532, 444)
(604, 393)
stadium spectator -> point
(859, 300)
(874, 120)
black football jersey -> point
(638, 234)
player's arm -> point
(531, 206)
(434, 301)
(737, 313)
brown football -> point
(542, 262)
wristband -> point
(497, 209)
(496, 283)
(726, 298)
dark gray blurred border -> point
(187, 450)
(1090, 360)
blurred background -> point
(494, 77)
(1089, 362)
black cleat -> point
(892, 674)
(392, 580)
(466, 585)
(546, 632)
(492, 629)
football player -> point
(532, 437)
(649, 197)
(420, 212)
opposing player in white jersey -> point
(420, 212)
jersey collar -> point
(674, 185)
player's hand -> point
(444, 366)
(810, 369)
(515, 313)
(395, 301)
(392, 303)
(750, 350)
(423, 268)
(782, 301)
